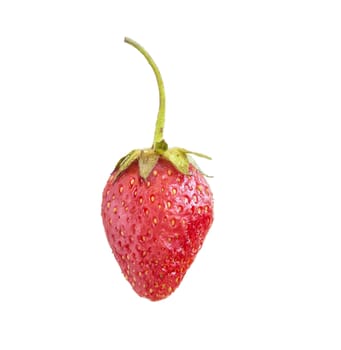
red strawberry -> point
(157, 209)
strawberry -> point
(157, 208)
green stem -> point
(159, 144)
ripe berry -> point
(157, 208)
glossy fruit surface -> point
(155, 227)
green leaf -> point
(126, 161)
(196, 153)
(147, 162)
(194, 163)
(178, 158)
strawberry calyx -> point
(147, 159)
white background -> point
(255, 84)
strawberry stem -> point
(159, 145)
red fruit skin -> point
(156, 227)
